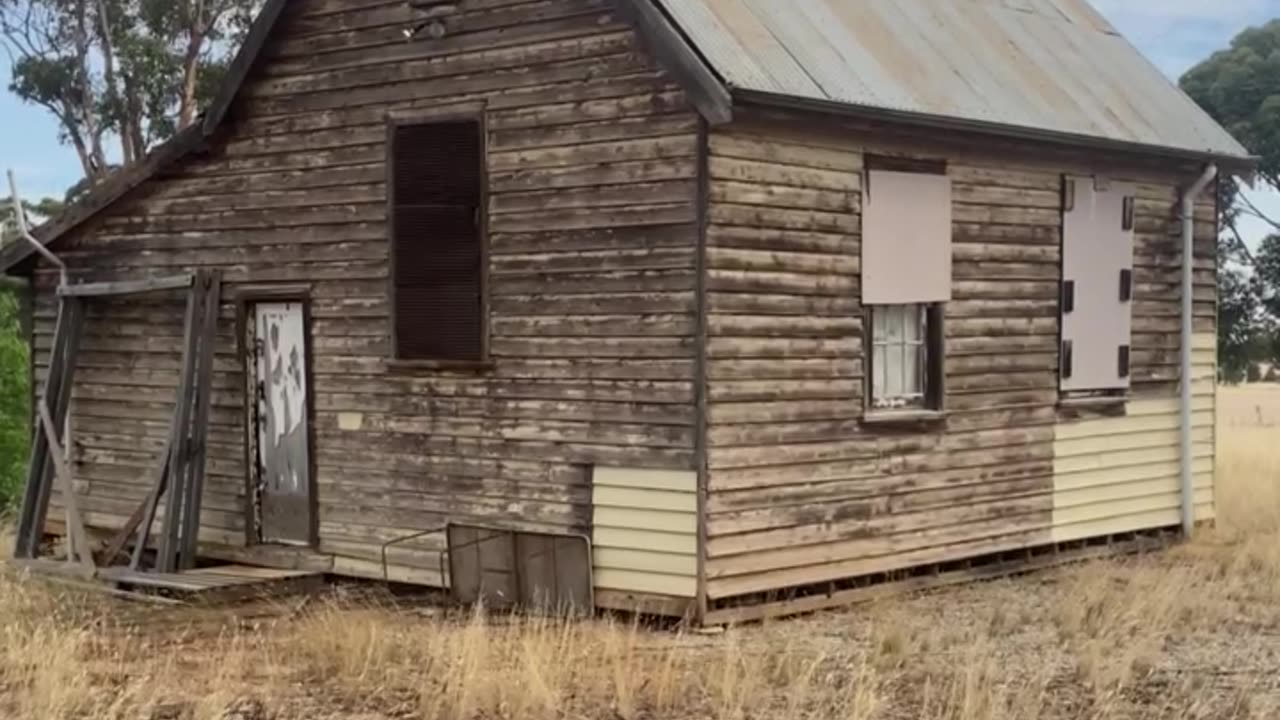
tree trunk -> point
(128, 149)
(191, 65)
(190, 77)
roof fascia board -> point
(185, 142)
(245, 59)
(112, 189)
(678, 57)
(1234, 165)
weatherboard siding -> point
(800, 491)
(592, 238)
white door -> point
(283, 447)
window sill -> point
(1093, 403)
(889, 418)
(407, 366)
(1104, 406)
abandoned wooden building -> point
(746, 301)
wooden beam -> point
(210, 284)
(115, 187)
(56, 400)
(170, 538)
(678, 57)
(76, 535)
(127, 287)
(160, 475)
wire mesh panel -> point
(506, 569)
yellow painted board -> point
(655, 583)
(1117, 508)
(1120, 459)
(679, 543)
(1171, 422)
(645, 561)
(621, 497)
(1128, 473)
(1112, 525)
(1121, 441)
(1204, 341)
(1114, 492)
(670, 480)
(1170, 405)
(673, 522)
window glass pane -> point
(896, 384)
(912, 316)
(880, 374)
(899, 356)
(911, 378)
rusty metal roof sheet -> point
(1053, 66)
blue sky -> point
(1175, 34)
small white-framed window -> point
(899, 356)
(905, 357)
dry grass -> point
(1190, 633)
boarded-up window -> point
(906, 237)
(1097, 284)
(906, 278)
(437, 244)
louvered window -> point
(437, 243)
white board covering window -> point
(1097, 284)
(906, 238)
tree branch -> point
(1253, 210)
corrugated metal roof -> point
(1046, 65)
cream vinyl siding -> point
(645, 531)
(1115, 475)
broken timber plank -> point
(56, 398)
(79, 539)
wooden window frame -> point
(394, 121)
(935, 390)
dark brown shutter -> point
(438, 257)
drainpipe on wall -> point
(1188, 304)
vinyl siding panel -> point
(645, 531)
(1116, 475)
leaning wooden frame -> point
(178, 476)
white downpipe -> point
(1188, 305)
(20, 216)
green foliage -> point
(15, 395)
(1237, 308)
(36, 212)
(1240, 88)
(132, 70)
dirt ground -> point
(1191, 632)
